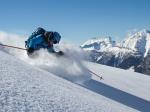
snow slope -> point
(29, 89)
(125, 80)
(124, 86)
(33, 85)
(126, 54)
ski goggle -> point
(51, 38)
(54, 41)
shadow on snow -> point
(118, 95)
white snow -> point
(98, 44)
(139, 41)
(136, 42)
(29, 89)
(33, 85)
(118, 50)
(124, 86)
(70, 66)
(126, 80)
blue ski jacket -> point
(38, 42)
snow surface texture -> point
(28, 88)
(24, 88)
(124, 86)
(70, 66)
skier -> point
(42, 39)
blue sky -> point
(76, 20)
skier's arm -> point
(35, 41)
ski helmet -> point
(40, 30)
(56, 37)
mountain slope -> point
(29, 89)
(98, 44)
(139, 41)
(126, 54)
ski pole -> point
(95, 74)
(12, 47)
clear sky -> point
(76, 20)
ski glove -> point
(30, 50)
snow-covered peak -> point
(98, 44)
(139, 41)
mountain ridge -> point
(125, 54)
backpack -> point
(38, 31)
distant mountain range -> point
(133, 51)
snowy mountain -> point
(98, 44)
(144, 66)
(126, 54)
(140, 41)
